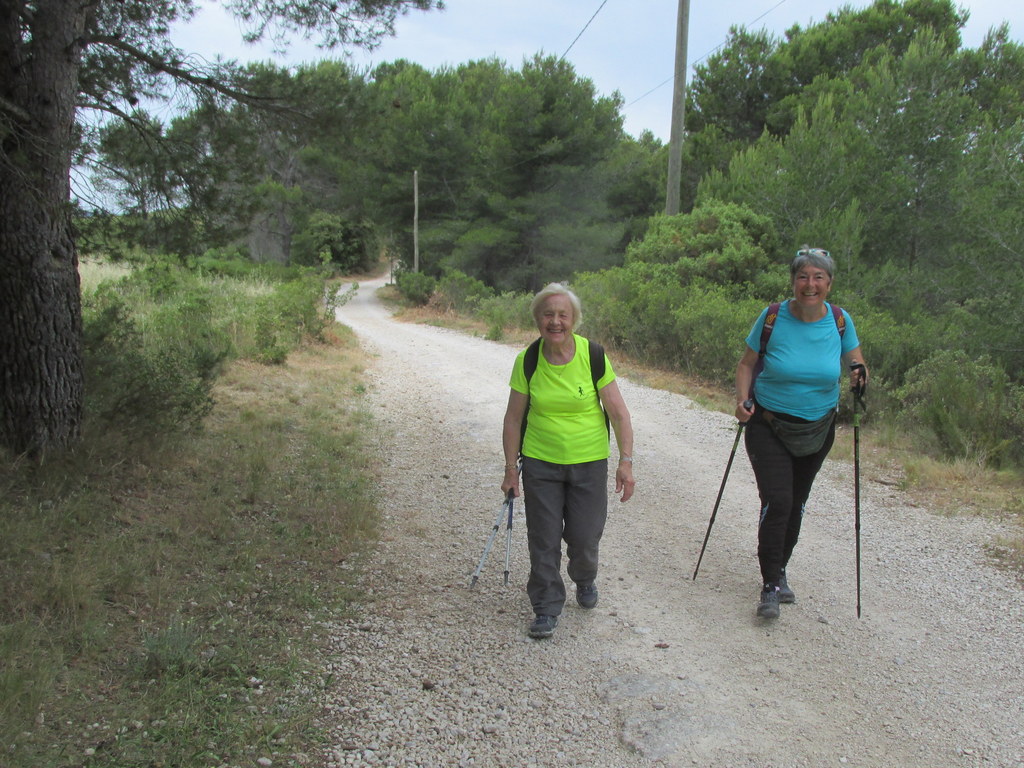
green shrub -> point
(509, 310)
(970, 407)
(724, 242)
(415, 287)
(457, 291)
(710, 326)
(610, 312)
(891, 346)
(156, 340)
(232, 261)
(331, 239)
(154, 380)
(290, 312)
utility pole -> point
(415, 221)
(675, 142)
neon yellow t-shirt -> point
(565, 424)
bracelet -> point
(510, 466)
(626, 458)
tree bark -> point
(41, 367)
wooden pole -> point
(416, 221)
(675, 144)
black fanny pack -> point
(801, 438)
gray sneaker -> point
(786, 595)
(586, 595)
(768, 607)
(543, 626)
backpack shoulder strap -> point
(840, 318)
(768, 327)
(596, 362)
(530, 359)
(596, 374)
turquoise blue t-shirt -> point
(803, 363)
(566, 424)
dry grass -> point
(96, 271)
(157, 610)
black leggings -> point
(783, 483)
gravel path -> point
(666, 671)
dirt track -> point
(666, 670)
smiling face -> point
(555, 319)
(811, 286)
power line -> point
(583, 30)
(701, 58)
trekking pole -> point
(858, 407)
(490, 539)
(508, 534)
(739, 431)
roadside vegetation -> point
(165, 583)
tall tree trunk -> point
(41, 378)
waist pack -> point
(801, 438)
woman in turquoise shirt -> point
(797, 391)
(564, 454)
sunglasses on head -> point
(813, 252)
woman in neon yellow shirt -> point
(564, 454)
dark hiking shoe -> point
(768, 608)
(586, 595)
(786, 595)
(543, 626)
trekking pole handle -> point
(861, 384)
(748, 405)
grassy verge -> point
(163, 611)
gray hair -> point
(558, 289)
(813, 257)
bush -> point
(331, 239)
(970, 407)
(415, 287)
(612, 308)
(287, 314)
(153, 382)
(891, 347)
(509, 310)
(724, 242)
(224, 262)
(155, 341)
(458, 292)
(710, 326)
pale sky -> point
(620, 45)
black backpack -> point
(530, 360)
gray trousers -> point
(563, 501)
